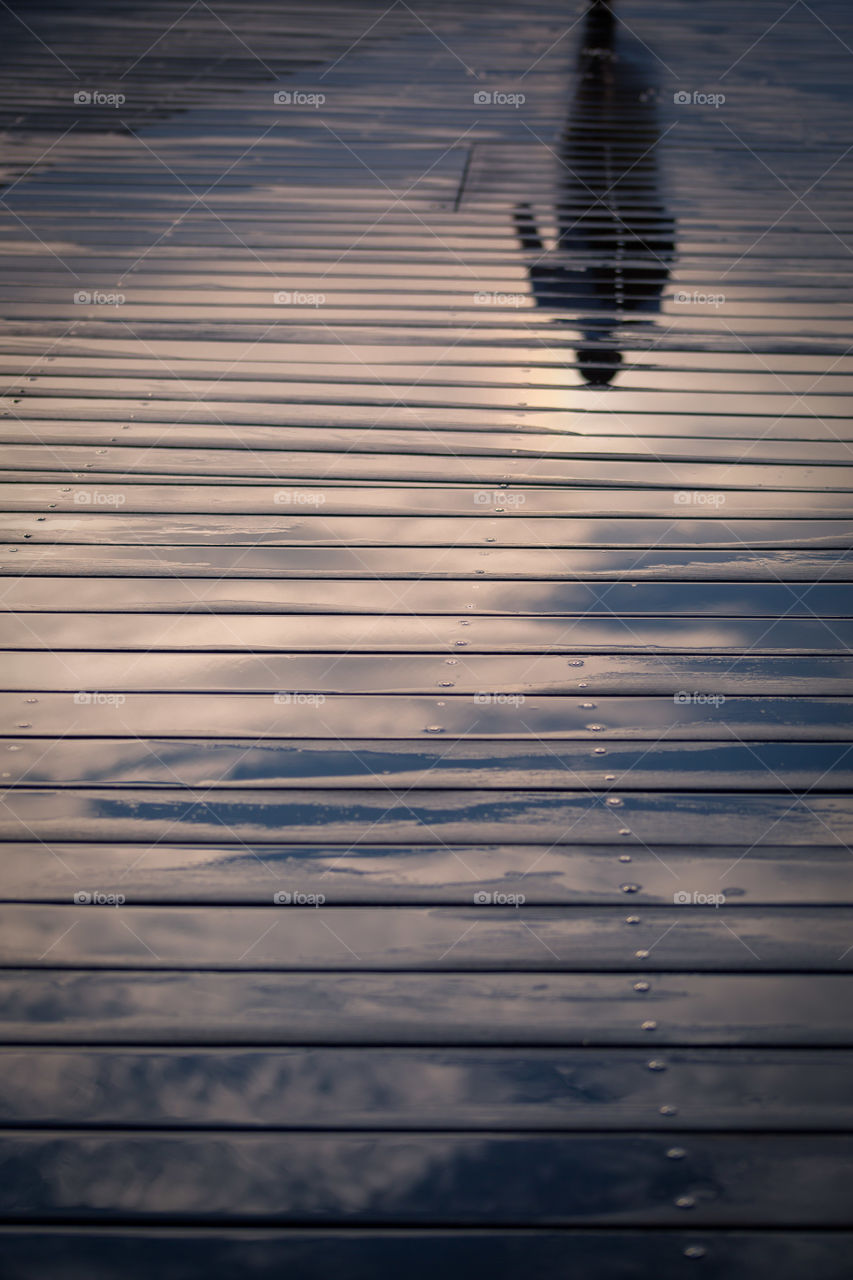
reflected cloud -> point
(349, 1177)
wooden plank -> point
(56, 1253)
(573, 872)
(642, 471)
(427, 816)
(689, 715)
(525, 452)
(590, 419)
(299, 933)
(621, 766)
(237, 632)
(298, 528)
(453, 564)
(554, 1090)
(470, 1180)
(739, 1010)
(269, 596)
(463, 500)
(550, 674)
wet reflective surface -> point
(437, 1178)
(447, 1089)
(93, 1006)
(360, 1253)
(572, 873)
(426, 723)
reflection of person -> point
(614, 238)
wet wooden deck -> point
(427, 741)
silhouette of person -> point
(615, 239)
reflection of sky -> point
(740, 1009)
(335, 1088)
(725, 601)
(425, 817)
(474, 937)
(418, 292)
(565, 535)
(603, 1179)
(615, 1180)
(447, 1177)
(364, 873)
(390, 1178)
(425, 673)
(472, 762)
(484, 715)
(446, 1088)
